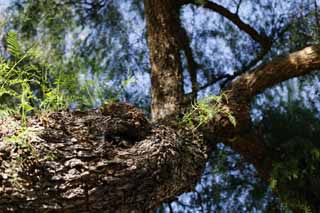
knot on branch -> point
(64, 161)
(126, 120)
(112, 122)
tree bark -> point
(113, 160)
(244, 88)
(281, 69)
(107, 160)
(163, 21)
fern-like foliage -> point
(6, 111)
(24, 87)
(207, 109)
(14, 47)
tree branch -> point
(262, 39)
(193, 66)
(295, 64)
(238, 6)
(227, 77)
(245, 68)
(110, 159)
(242, 90)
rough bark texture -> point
(163, 21)
(107, 160)
(113, 160)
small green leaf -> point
(273, 183)
(13, 44)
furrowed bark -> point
(107, 160)
(114, 160)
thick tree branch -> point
(163, 20)
(245, 68)
(253, 150)
(295, 64)
(244, 88)
(106, 160)
(240, 92)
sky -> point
(4, 3)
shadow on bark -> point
(110, 159)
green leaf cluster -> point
(207, 109)
(25, 86)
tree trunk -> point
(163, 21)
